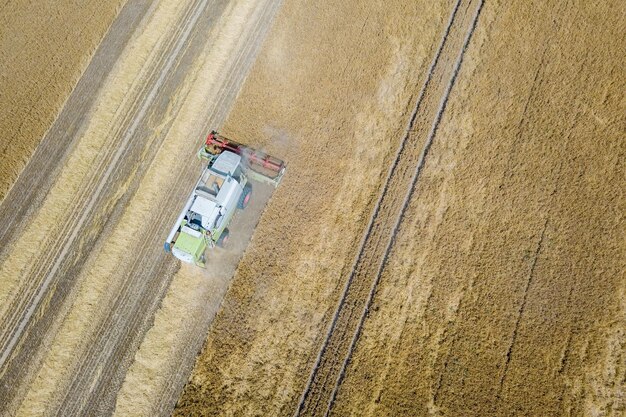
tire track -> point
(36, 306)
(69, 227)
(29, 297)
(226, 97)
(120, 334)
(344, 330)
(32, 186)
(520, 313)
(40, 190)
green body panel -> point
(192, 245)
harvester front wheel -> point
(221, 242)
(244, 200)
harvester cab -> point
(223, 187)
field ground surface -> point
(456, 234)
(449, 238)
(83, 275)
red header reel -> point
(216, 144)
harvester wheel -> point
(245, 197)
(221, 242)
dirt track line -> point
(520, 313)
(16, 334)
(63, 284)
(329, 369)
(26, 294)
(113, 347)
(377, 207)
(127, 297)
(168, 399)
(34, 189)
(531, 277)
(406, 203)
(33, 184)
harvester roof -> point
(226, 163)
(207, 209)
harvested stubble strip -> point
(92, 290)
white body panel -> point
(213, 201)
(226, 163)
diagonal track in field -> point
(328, 371)
(152, 282)
(32, 186)
(76, 226)
(100, 369)
(145, 285)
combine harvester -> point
(224, 187)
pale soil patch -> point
(44, 48)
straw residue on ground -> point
(331, 94)
(504, 294)
(504, 291)
(95, 290)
